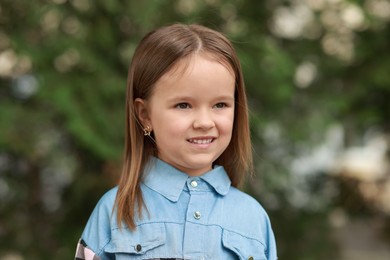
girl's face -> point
(191, 112)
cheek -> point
(226, 123)
(225, 130)
(168, 127)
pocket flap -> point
(139, 241)
(244, 247)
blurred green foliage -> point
(63, 68)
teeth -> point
(201, 141)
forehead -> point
(185, 66)
(198, 76)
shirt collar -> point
(170, 182)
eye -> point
(183, 106)
(220, 105)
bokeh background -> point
(318, 80)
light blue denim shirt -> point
(187, 218)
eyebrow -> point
(185, 98)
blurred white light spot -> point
(81, 5)
(71, 25)
(51, 20)
(353, 16)
(12, 256)
(290, 22)
(228, 11)
(272, 133)
(298, 198)
(23, 66)
(365, 163)
(340, 46)
(8, 60)
(330, 19)
(24, 86)
(379, 8)
(338, 218)
(316, 4)
(186, 6)
(305, 73)
(322, 157)
(236, 27)
(54, 179)
(67, 60)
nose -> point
(203, 119)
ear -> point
(142, 112)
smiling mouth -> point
(201, 141)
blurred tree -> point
(308, 65)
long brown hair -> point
(156, 54)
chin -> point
(199, 165)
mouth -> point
(201, 140)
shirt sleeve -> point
(97, 233)
(83, 252)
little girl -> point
(187, 149)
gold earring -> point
(147, 131)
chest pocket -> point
(244, 248)
(142, 243)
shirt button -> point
(194, 184)
(138, 248)
(197, 215)
(250, 258)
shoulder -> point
(108, 199)
(245, 214)
(105, 205)
(243, 201)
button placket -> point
(193, 183)
(196, 216)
